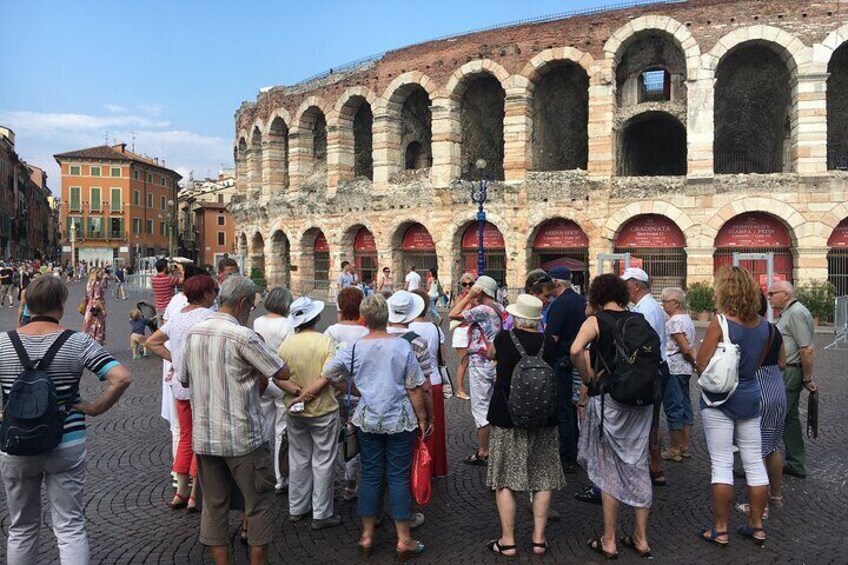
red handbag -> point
(421, 463)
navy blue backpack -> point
(32, 419)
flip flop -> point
(540, 545)
(596, 545)
(749, 533)
(495, 547)
(476, 459)
(627, 541)
(713, 536)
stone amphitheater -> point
(678, 133)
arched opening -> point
(482, 118)
(255, 160)
(494, 251)
(755, 232)
(753, 99)
(279, 271)
(562, 243)
(837, 109)
(314, 268)
(652, 144)
(416, 128)
(277, 158)
(837, 258)
(365, 255)
(560, 137)
(652, 69)
(363, 161)
(417, 156)
(657, 245)
(241, 165)
(417, 249)
(313, 132)
(257, 260)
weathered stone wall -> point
(697, 41)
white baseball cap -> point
(635, 273)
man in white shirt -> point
(639, 290)
(413, 279)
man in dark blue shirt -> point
(565, 316)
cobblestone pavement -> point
(128, 486)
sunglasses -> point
(772, 293)
(467, 284)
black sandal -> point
(540, 545)
(749, 533)
(495, 547)
(596, 545)
(476, 459)
(627, 541)
(658, 478)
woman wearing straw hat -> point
(521, 459)
(313, 420)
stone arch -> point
(537, 64)
(241, 245)
(254, 157)
(278, 257)
(534, 257)
(406, 108)
(616, 45)
(314, 267)
(822, 52)
(275, 151)
(255, 266)
(301, 117)
(541, 216)
(835, 216)
(836, 65)
(395, 93)
(690, 229)
(652, 144)
(240, 160)
(352, 120)
(450, 243)
(791, 218)
(459, 80)
(308, 139)
(281, 113)
(395, 236)
(791, 49)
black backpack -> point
(532, 396)
(32, 419)
(633, 378)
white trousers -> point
(312, 456)
(720, 430)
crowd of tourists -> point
(554, 381)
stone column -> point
(273, 166)
(597, 245)
(699, 265)
(811, 265)
(517, 127)
(601, 118)
(386, 149)
(447, 136)
(809, 124)
(241, 173)
(700, 127)
(300, 158)
(340, 154)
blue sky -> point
(174, 71)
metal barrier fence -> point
(139, 283)
(840, 322)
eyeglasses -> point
(773, 292)
(466, 284)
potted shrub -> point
(257, 275)
(700, 297)
(818, 297)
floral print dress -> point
(95, 325)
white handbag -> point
(722, 373)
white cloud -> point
(151, 109)
(41, 135)
(113, 108)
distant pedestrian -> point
(62, 470)
(121, 283)
(164, 286)
(459, 337)
(412, 279)
(227, 366)
(94, 323)
(385, 283)
(347, 277)
(797, 328)
(138, 329)
(680, 334)
(6, 273)
(434, 292)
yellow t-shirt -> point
(306, 354)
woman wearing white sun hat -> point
(313, 421)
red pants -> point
(436, 442)
(185, 462)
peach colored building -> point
(207, 231)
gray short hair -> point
(278, 300)
(235, 289)
(525, 324)
(375, 311)
(675, 293)
(46, 294)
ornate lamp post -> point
(478, 196)
(73, 233)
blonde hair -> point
(737, 293)
(467, 275)
(135, 314)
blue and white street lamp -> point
(478, 196)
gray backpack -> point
(532, 396)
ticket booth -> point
(755, 232)
(562, 243)
(494, 251)
(657, 245)
(365, 255)
(419, 249)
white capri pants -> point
(720, 429)
(481, 385)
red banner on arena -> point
(839, 237)
(753, 229)
(650, 230)
(560, 233)
(417, 238)
(321, 245)
(364, 241)
(492, 238)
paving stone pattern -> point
(128, 486)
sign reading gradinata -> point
(650, 230)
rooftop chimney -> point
(121, 147)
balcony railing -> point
(738, 163)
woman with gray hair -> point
(384, 371)
(680, 332)
(275, 327)
(521, 459)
